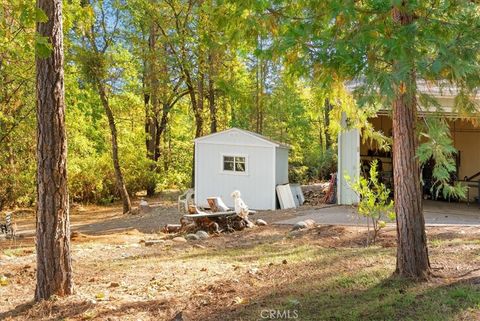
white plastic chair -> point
(186, 199)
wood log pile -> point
(212, 225)
(315, 194)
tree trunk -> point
(200, 104)
(412, 252)
(198, 127)
(257, 95)
(167, 148)
(54, 264)
(122, 189)
(327, 109)
(211, 95)
(151, 120)
(321, 132)
(161, 127)
(263, 68)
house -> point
(236, 159)
(465, 133)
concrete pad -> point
(436, 214)
(335, 215)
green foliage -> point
(17, 104)
(223, 41)
(361, 44)
(438, 145)
(43, 47)
(327, 163)
(375, 203)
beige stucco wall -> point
(466, 138)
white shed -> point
(236, 159)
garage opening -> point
(466, 139)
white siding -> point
(255, 186)
(281, 169)
(348, 163)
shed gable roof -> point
(256, 136)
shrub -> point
(375, 203)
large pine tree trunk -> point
(54, 264)
(122, 189)
(412, 252)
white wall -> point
(281, 170)
(256, 186)
(348, 163)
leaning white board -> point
(285, 196)
(297, 194)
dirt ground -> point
(104, 220)
(231, 276)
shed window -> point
(234, 164)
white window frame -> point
(223, 155)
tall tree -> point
(96, 41)
(17, 103)
(151, 95)
(384, 47)
(162, 84)
(212, 106)
(54, 264)
(412, 252)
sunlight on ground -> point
(266, 273)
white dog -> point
(240, 207)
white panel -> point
(297, 194)
(285, 196)
(281, 170)
(348, 163)
(255, 186)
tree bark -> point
(327, 109)
(211, 94)
(200, 105)
(122, 189)
(257, 95)
(151, 119)
(54, 264)
(412, 252)
(161, 127)
(198, 125)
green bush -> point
(375, 203)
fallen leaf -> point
(239, 300)
(100, 296)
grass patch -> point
(14, 252)
(368, 292)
